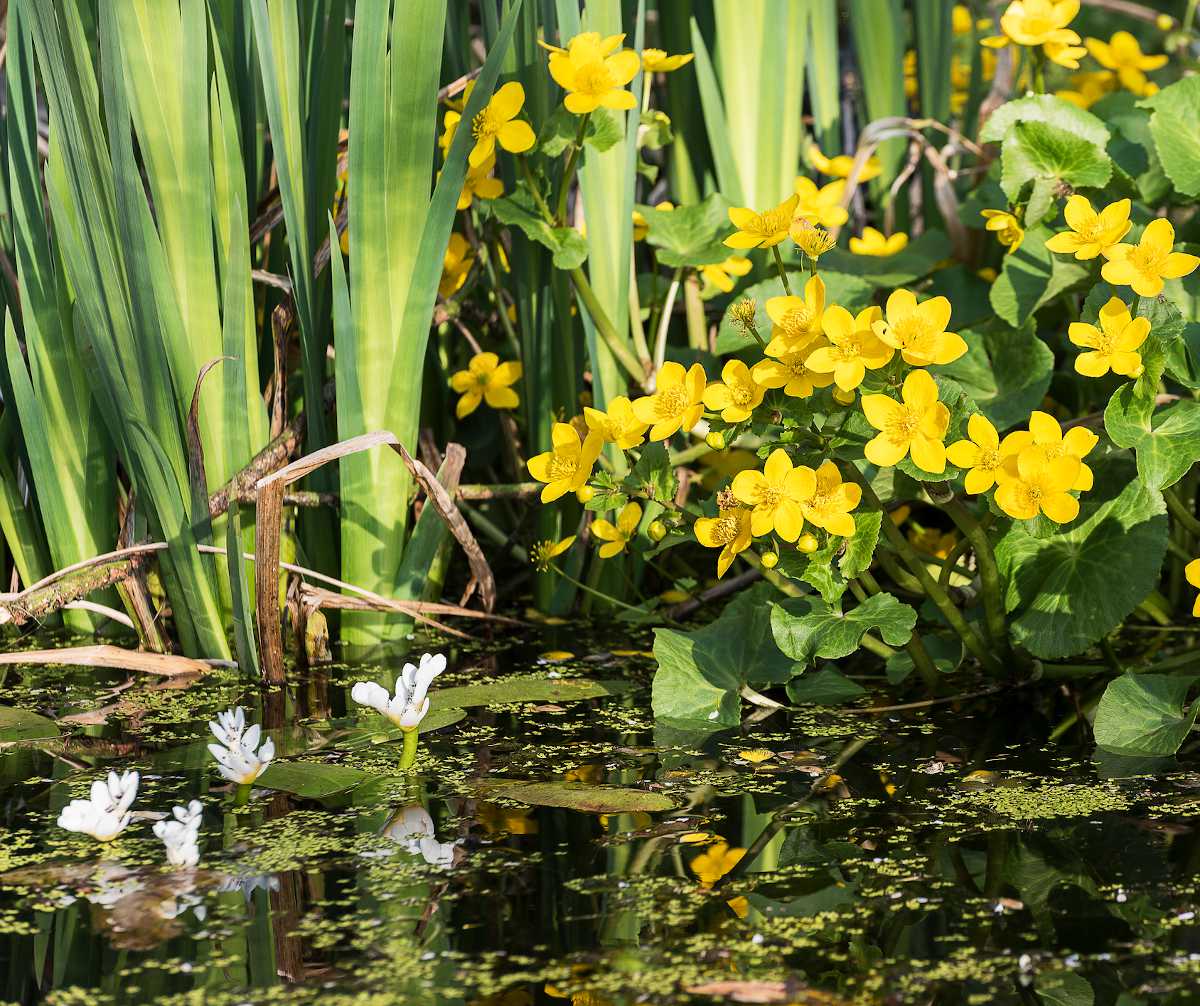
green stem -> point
(599, 594)
(569, 172)
(782, 271)
(916, 649)
(1181, 513)
(241, 796)
(1039, 70)
(408, 756)
(636, 329)
(538, 199)
(989, 573)
(607, 331)
(694, 307)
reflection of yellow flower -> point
(873, 242)
(619, 425)
(854, 347)
(513, 820)
(593, 74)
(914, 426)
(721, 274)
(1091, 233)
(918, 330)
(1145, 265)
(616, 537)
(456, 263)
(1047, 436)
(486, 379)
(1123, 55)
(830, 503)
(657, 61)
(715, 861)
(1040, 486)
(1007, 228)
(841, 165)
(677, 402)
(542, 552)
(479, 184)
(776, 495)
(1113, 346)
(590, 774)
(796, 320)
(1192, 572)
(821, 205)
(729, 531)
(567, 465)
(761, 230)
(497, 123)
(736, 395)
(982, 455)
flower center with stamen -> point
(725, 529)
(1032, 495)
(770, 497)
(988, 460)
(671, 402)
(1148, 259)
(910, 331)
(771, 222)
(594, 78)
(797, 322)
(484, 124)
(740, 394)
(562, 466)
(849, 351)
(903, 427)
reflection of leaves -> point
(576, 796)
(808, 628)
(525, 689)
(310, 780)
(23, 725)
(1143, 714)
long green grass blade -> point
(824, 74)
(879, 42)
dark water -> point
(958, 858)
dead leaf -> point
(103, 655)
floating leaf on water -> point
(22, 725)
(573, 796)
(310, 780)
(526, 689)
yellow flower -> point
(543, 551)
(1047, 436)
(756, 756)
(776, 495)
(736, 395)
(716, 861)
(830, 502)
(567, 465)
(1123, 55)
(593, 74)
(1007, 228)
(821, 205)
(497, 123)
(795, 320)
(720, 274)
(1088, 88)
(961, 21)
(873, 242)
(814, 241)
(933, 541)
(479, 184)
(486, 379)
(919, 330)
(1040, 486)
(915, 426)
(1145, 265)
(1036, 22)
(854, 347)
(1192, 572)
(761, 230)
(618, 536)
(982, 454)
(677, 402)
(841, 165)
(1113, 346)
(1064, 54)
(729, 531)
(791, 371)
(1091, 233)
(657, 61)
(619, 425)
(456, 263)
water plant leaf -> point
(1176, 132)
(1062, 585)
(568, 248)
(917, 259)
(23, 725)
(1049, 156)
(577, 796)
(1166, 441)
(828, 571)
(1005, 370)
(378, 730)
(525, 689)
(808, 628)
(826, 687)
(1144, 714)
(690, 235)
(1024, 278)
(310, 780)
(654, 475)
(1046, 109)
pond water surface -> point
(956, 857)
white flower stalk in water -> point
(105, 814)
(237, 760)
(409, 705)
(181, 835)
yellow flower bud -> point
(584, 494)
(657, 530)
(1164, 22)
(716, 440)
(769, 560)
(807, 543)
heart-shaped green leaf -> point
(1144, 714)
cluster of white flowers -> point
(105, 814)
(181, 834)
(409, 705)
(239, 757)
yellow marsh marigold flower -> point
(795, 320)
(456, 263)
(1091, 233)
(761, 230)
(1123, 55)
(721, 274)
(814, 241)
(543, 552)
(593, 73)
(729, 531)
(479, 184)
(1064, 54)
(933, 541)
(919, 330)
(776, 495)
(567, 465)
(1040, 485)
(821, 205)
(486, 379)
(1047, 437)
(616, 537)
(1036, 22)
(677, 402)
(657, 61)
(1088, 88)
(841, 165)
(873, 242)
(1192, 572)
(619, 425)
(1113, 346)
(736, 395)
(831, 500)
(1007, 228)
(791, 372)
(854, 347)
(982, 454)
(1145, 265)
(915, 426)
(962, 22)
(497, 123)
(716, 861)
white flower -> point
(410, 704)
(181, 835)
(238, 761)
(412, 827)
(229, 726)
(105, 814)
